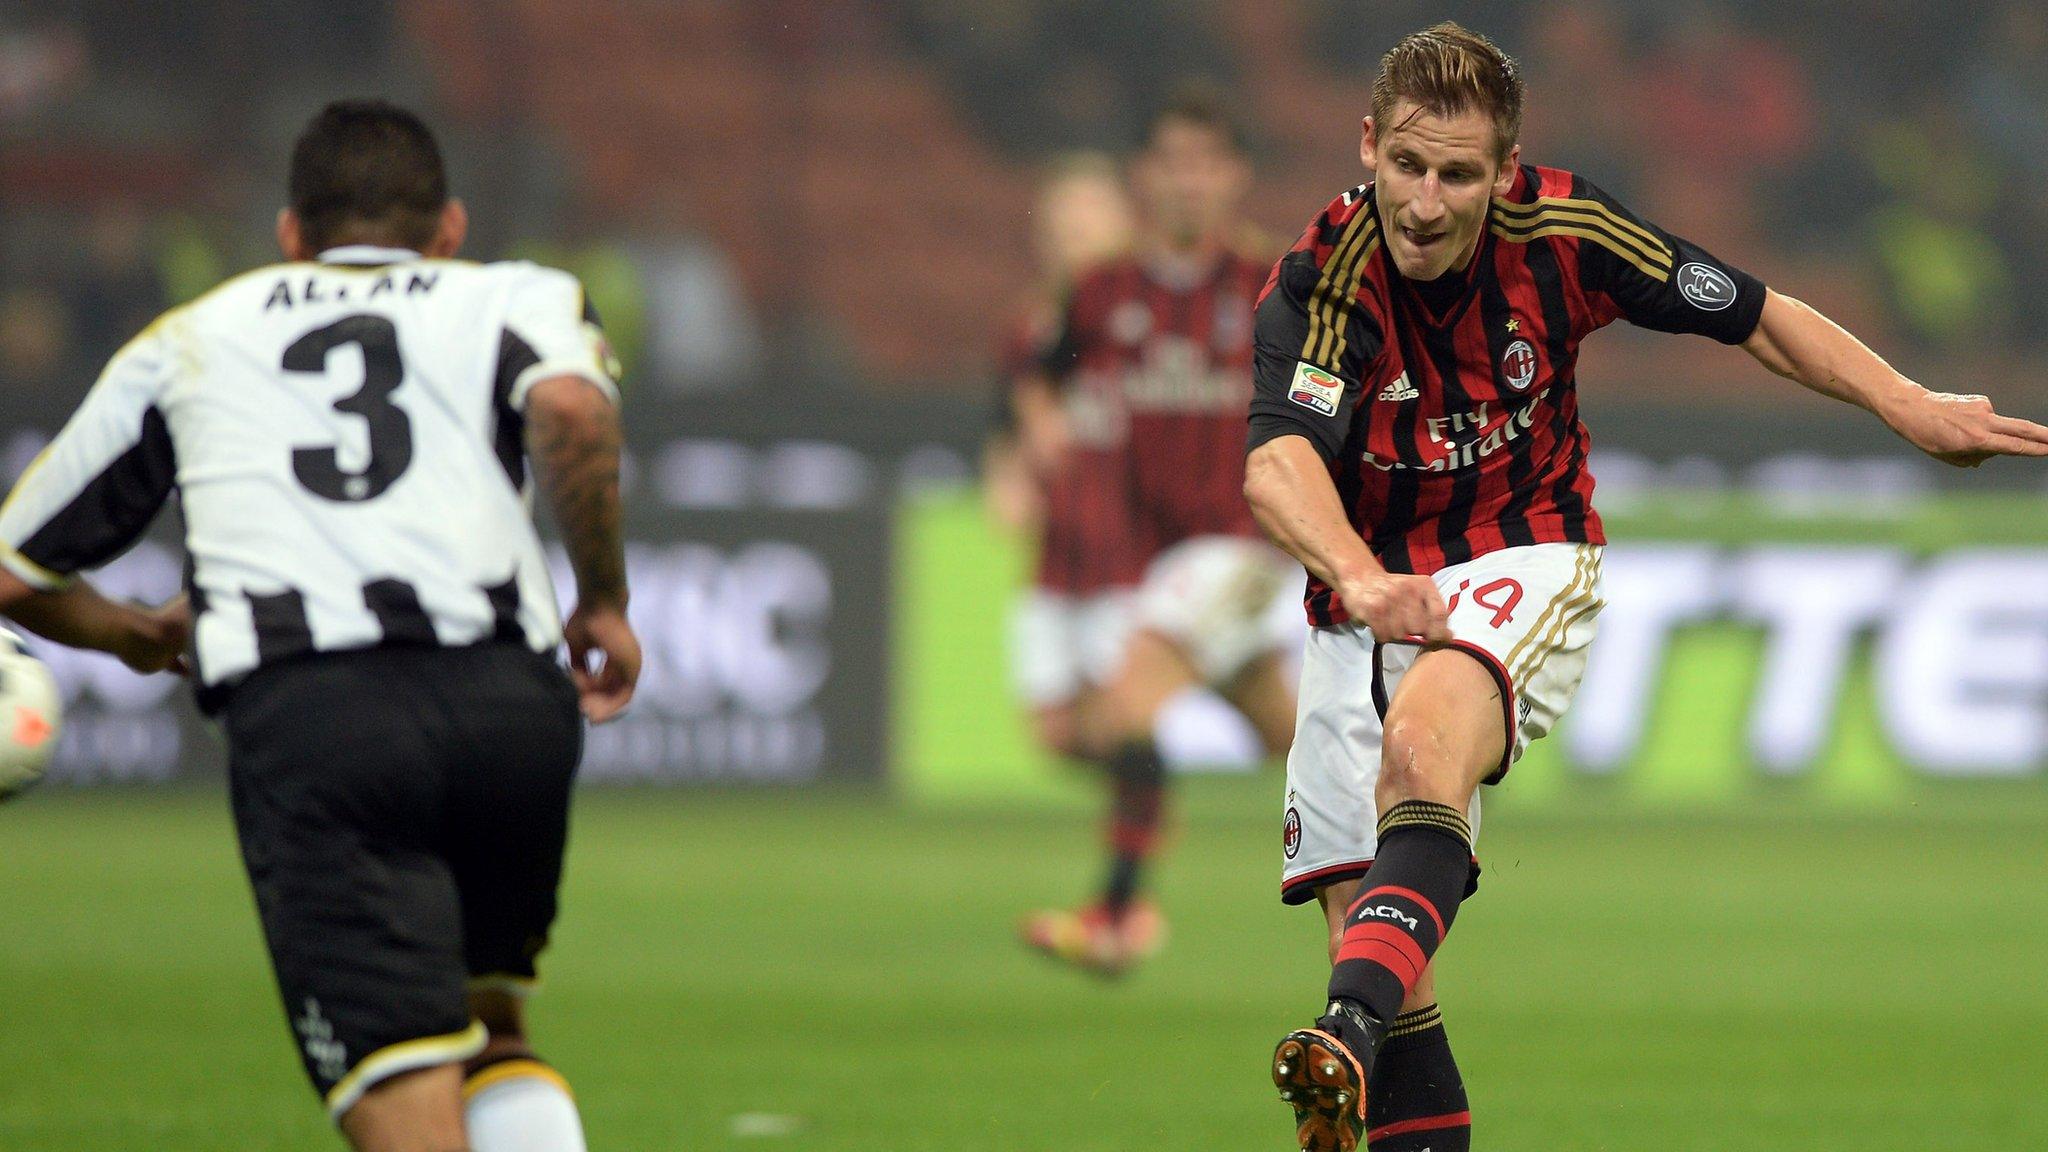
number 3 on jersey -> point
(319, 468)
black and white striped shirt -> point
(345, 440)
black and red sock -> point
(1416, 1100)
(1411, 896)
(1137, 782)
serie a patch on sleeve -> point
(1315, 389)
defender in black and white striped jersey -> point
(345, 440)
(369, 612)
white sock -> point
(526, 1107)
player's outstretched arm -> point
(1800, 344)
(1290, 492)
(77, 616)
(573, 438)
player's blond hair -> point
(1448, 70)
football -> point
(30, 713)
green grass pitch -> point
(798, 971)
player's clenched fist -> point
(157, 638)
(1397, 607)
(604, 687)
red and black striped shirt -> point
(1455, 432)
(1173, 357)
(1084, 543)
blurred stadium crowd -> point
(761, 191)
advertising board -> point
(766, 646)
(1859, 652)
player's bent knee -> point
(1446, 731)
(1419, 761)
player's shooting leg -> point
(513, 1101)
(1445, 732)
(1262, 692)
(419, 1111)
(1335, 899)
(1416, 1100)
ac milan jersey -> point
(1084, 543)
(1171, 358)
(1451, 425)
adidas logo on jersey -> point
(1400, 389)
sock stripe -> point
(1387, 946)
(1418, 806)
(1425, 814)
(1447, 823)
(1420, 1020)
(1408, 894)
(1420, 1124)
(1425, 806)
(1457, 826)
(1138, 840)
(513, 1069)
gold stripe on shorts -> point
(1562, 602)
(1583, 605)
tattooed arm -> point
(572, 437)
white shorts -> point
(1526, 613)
(1061, 645)
(1225, 600)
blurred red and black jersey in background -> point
(1084, 544)
(1448, 412)
(1170, 356)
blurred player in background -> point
(369, 613)
(1416, 443)
(1153, 357)
(1051, 473)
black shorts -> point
(402, 813)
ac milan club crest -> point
(1290, 834)
(1518, 365)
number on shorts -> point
(1506, 595)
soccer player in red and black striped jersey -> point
(1416, 443)
(1051, 472)
(1155, 357)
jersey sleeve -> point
(1657, 280)
(1020, 356)
(95, 489)
(1059, 349)
(552, 330)
(1312, 341)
